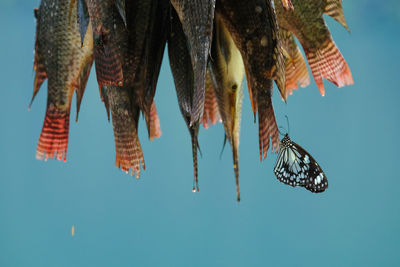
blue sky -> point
(157, 220)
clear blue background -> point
(157, 220)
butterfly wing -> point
(296, 167)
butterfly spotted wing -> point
(296, 167)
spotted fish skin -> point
(60, 57)
(307, 23)
(227, 72)
(104, 16)
(182, 71)
(254, 30)
(197, 18)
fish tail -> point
(53, 141)
(211, 114)
(267, 127)
(327, 62)
(129, 155)
(334, 9)
(296, 72)
(154, 124)
(236, 170)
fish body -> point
(307, 23)
(184, 78)
(227, 71)
(65, 62)
(254, 30)
(197, 18)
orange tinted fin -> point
(53, 141)
(155, 129)
(211, 113)
(107, 61)
(334, 9)
(327, 62)
(267, 127)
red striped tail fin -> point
(129, 155)
(267, 127)
(211, 113)
(296, 72)
(53, 141)
(155, 129)
(327, 62)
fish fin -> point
(53, 141)
(121, 6)
(267, 127)
(155, 129)
(104, 98)
(327, 62)
(194, 131)
(107, 62)
(81, 84)
(235, 151)
(38, 65)
(334, 9)
(83, 19)
(211, 113)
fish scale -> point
(60, 57)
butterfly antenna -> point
(287, 121)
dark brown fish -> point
(295, 65)
(60, 57)
(182, 70)
(254, 30)
(151, 59)
(307, 23)
(197, 17)
(227, 72)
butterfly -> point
(296, 167)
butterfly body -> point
(296, 167)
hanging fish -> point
(182, 70)
(254, 30)
(197, 18)
(150, 62)
(121, 101)
(227, 72)
(307, 23)
(60, 57)
(295, 65)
